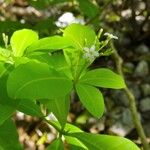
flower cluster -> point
(90, 53)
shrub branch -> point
(132, 101)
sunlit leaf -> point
(91, 98)
(21, 39)
(104, 142)
(35, 80)
(103, 78)
(49, 44)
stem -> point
(132, 101)
(76, 78)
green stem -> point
(76, 78)
(132, 101)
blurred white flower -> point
(111, 36)
(68, 18)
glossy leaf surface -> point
(104, 142)
(50, 44)
(103, 78)
(91, 98)
(35, 80)
(21, 39)
(80, 35)
(7, 105)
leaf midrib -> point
(97, 78)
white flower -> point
(90, 53)
(111, 36)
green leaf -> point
(75, 143)
(35, 80)
(5, 112)
(21, 39)
(91, 98)
(60, 108)
(60, 65)
(29, 108)
(9, 137)
(104, 142)
(56, 145)
(5, 55)
(71, 128)
(49, 44)
(80, 35)
(40, 4)
(68, 127)
(88, 8)
(4, 69)
(7, 105)
(103, 78)
(73, 147)
(1, 148)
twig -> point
(132, 101)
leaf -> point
(4, 69)
(88, 8)
(4, 55)
(71, 128)
(80, 35)
(21, 39)
(40, 4)
(73, 147)
(7, 105)
(60, 108)
(60, 65)
(49, 44)
(1, 148)
(56, 145)
(5, 112)
(35, 80)
(29, 108)
(75, 143)
(9, 137)
(91, 98)
(104, 142)
(68, 127)
(103, 78)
